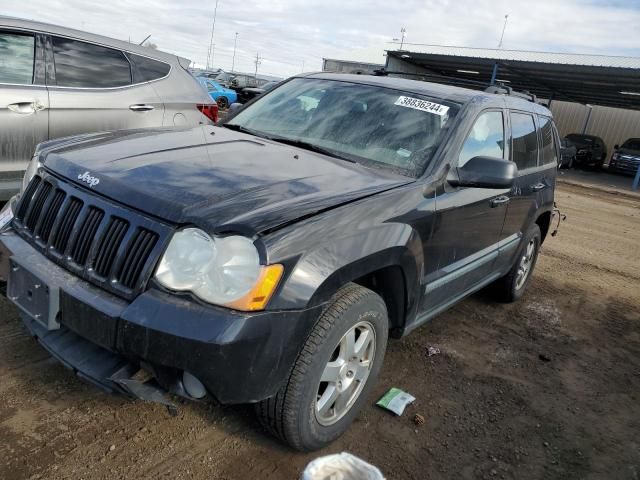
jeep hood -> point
(211, 176)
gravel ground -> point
(545, 388)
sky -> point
(291, 36)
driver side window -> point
(486, 138)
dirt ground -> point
(545, 388)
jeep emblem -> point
(87, 178)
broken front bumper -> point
(238, 357)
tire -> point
(223, 103)
(292, 414)
(511, 287)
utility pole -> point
(302, 67)
(233, 61)
(504, 27)
(403, 34)
(257, 61)
(211, 44)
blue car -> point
(223, 96)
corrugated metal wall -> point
(613, 125)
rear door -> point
(24, 104)
(532, 180)
(91, 89)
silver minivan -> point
(56, 82)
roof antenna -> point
(506, 18)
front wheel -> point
(333, 374)
(511, 287)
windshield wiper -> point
(287, 141)
(240, 128)
(311, 147)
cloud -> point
(290, 33)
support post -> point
(494, 74)
(636, 180)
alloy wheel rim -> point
(526, 262)
(345, 374)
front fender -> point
(321, 271)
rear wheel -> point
(511, 287)
(223, 103)
(334, 373)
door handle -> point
(141, 108)
(538, 186)
(501, 200)
(25, 108)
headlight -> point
(32, 168)
(220, 270)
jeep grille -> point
(104, 243)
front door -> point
(23, 107)
(468, 222)
(91, 90)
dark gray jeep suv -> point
(267, 260)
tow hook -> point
(142, 386)
(557, 214)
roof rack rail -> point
(501, 89)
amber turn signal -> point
(262, 291)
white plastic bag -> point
(341, 466)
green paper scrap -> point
(396, 400)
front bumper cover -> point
(239, 357)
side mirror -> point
(485, 172)
(234, 107)
(616, 146)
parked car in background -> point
(591, 151)
(268, 260)
(223, 78)
(626, 158)
(250, 93)
(567, 153)
(223, 96)
(56, 82)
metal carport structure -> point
(612, 81)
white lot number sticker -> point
(423, 105)
(5, 217)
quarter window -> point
(486, 138)
(524, 141)
(80, 64)
(548, 144)
(147, 69)
(16, 58)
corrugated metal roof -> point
(597, 79)
(527, 56)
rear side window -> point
(547, 137)
(486, 138)
(81, 64)
(147, 69)
(16, 58)
(524, 141)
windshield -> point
(632, 144)
(371, 125)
